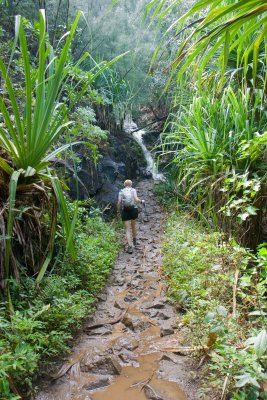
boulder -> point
(166, 331)
(108, 195)
(128, 343)
(100, 383)
(128, 357)
(151, 394)
(134, 323)
(113, 171)
(102, 365)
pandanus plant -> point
(214, 26)
(30, 187)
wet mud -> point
(122, 353)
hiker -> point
(127, 206)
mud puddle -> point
(123, 351)
(140, 383)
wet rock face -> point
(121, 159)
(111, 169)
(123, 353)
(90, 179)
(102, 180)
(108, 194)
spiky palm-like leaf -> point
(224, 25)
(29, 135)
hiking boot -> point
(130, 249)
(134, 242)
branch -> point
(234, 292)
(150, 123)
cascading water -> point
(130, 127)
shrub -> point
(97, 247)
(57, 307)
(205, 273)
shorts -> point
(129, 214)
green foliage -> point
(96, 249)
(205, 137)
(85, 128)
(167, 194)
(33, 122)
(214, 134)
(38, 127)
(244, 192)
(224, 26)
(202, 267)
(107, 32)
(58, 306)
(19, 349)
(206, 144)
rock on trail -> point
(120, 354)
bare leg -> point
(133, 223)
(128, 232)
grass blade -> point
(43, 268)
(12, 199)
(65, 219)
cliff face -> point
(120, 158)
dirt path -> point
(123, 352)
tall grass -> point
(219, 59)
(205, 142)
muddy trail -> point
(124, 351)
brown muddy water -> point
(122, 353)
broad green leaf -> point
(258, 313)
(59, 150)
(243, 217)
(252, 210)
(246, 379)
(260, 344)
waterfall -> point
(130, 126)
